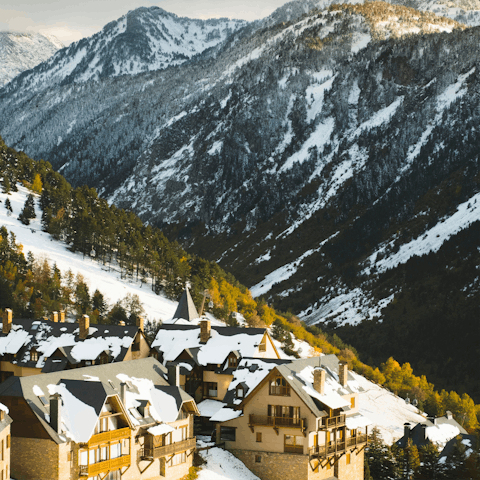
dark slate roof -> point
(186, 308)
(462, 438)
(48, 337)
(225, 331)
(91, 385)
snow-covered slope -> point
(22, 51)
(143, 40)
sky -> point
(71, 20)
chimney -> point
(62, 316)
(55, 317)
(123, 392)
(319, 380)
(174, 375)
(204, 331)
(56, 412)
(449, 415)
(423, 432)
(84, 324)
(343, 373)
(140, 322)
(406, 432)
(45, 319)
(7, 321)
(121, 323)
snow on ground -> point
(348, 308)
(385, 410)
(433, 239)
(222, 465)
(96, 275)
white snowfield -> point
(96, 275)
(222, 465)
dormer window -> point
(240, 392)
(232, 361)
(103, 358)
(33, 355)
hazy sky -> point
(70, 20)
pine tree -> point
(8, 205)
(28, 211)
(6, 185)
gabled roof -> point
(85, 390)
(173, 339)
(186, 308)
(299, 375)
(46, 337)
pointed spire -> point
(186, 308)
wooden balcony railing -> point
(293, 449)
(280, 391)
(333, 448)
(105, 466)
(333, 422)
(171, 449)
(105, 437)
(267, 420)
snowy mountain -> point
(143, 40)
(315, 157)
(22, 51)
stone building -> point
(208, 355)
(106, 422)
(5, 442)
(30, 347)
(300, 421)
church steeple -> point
(186, 308)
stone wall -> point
(34, 458)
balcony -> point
(280, 391)
(293, 449)
(338, 447)
(105, 437)
(173, 448)
(333, 422)
(276, 422)
(105, 466)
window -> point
(284, 415)
(263, 346)
(348, 459)
(352, 402)
(280, 387)
(232, 361)
(178, 459)
(293, 443)
(9, 439)
(210, 389)
(33, 355)
(258, 459)
(240, 392)
(227, 434)
(259, 436)
(2, 454)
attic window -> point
(279, 386)
(263, 346)
(43, 400)
(33, 355)
(240, 392)
(111, 384)
(232, 361)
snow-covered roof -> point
(209, 407)
(82, 403)
(172, 340)
(46, 337)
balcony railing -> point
(332, 422)
(332, 448)
(266, 420)
(105, 466)
(280, 391)
(177, 447)
(293, 449)
(105, 437)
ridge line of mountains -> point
(327, 156)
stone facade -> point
(35, 459)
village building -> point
(297, 420)
(5, 442)
(29, 347)
(105, 422)
(209, 355)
